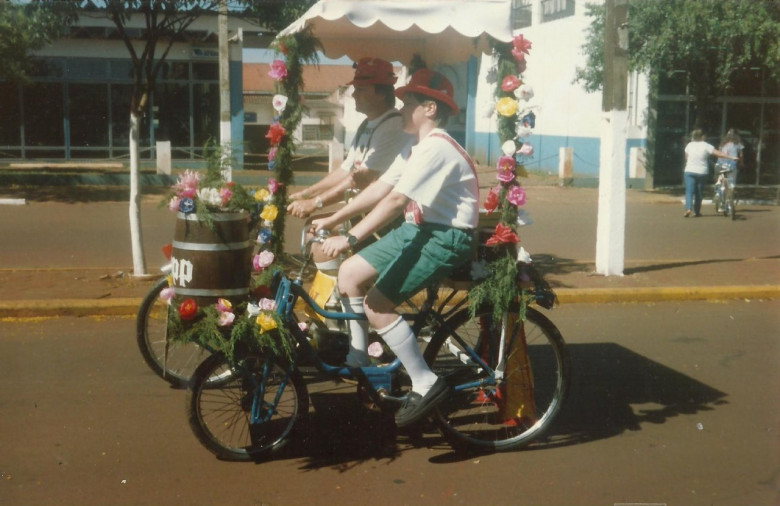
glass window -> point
(88, 113)
(82, 69)
(205, 71)
(43, 114)
(173, 114)
(48, 67)
(205, 113)
(317, 132)
(521, 14)
(556, 9)
(121, 70)
(120, 115)
(10, 132)
(175, 70)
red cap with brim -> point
(373, 71)
(431, 84)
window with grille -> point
(317, 132)
(556, 9)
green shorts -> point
(413, 257)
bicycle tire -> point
(151, 334)
(472, 418)
(733, 206)
(716, 201)
(219, 413)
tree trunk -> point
(139, 261)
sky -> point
(268, 55)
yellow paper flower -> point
(262, 194)
(269, 213)
(506, 106)
(266, 322)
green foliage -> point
(277, 14)
(27, 27)
(707, 38)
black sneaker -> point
(416, 407)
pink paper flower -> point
(187, 185)
(225, 194)
(516, 196)
(375, 350)
(526, 150)
(273, 185)
(505, 176)
(262, 260)
(278, 70)
(173, 205)
(520, 47)
(506, 163)
(225, 319)
(224, 305)
(272, 153)
(510, 83)
(167, 294)
(267, 304)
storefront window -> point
(88, 114)
(43, 119)
(10, 125)
(205, 113)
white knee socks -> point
(400, 338)
(358, 330)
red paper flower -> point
(510, 83)
(167, 250)
(275, 133)
(491, 200)
(502, 235)
(521, 44)
(188, 310)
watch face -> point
(351, 240)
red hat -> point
(373, 71)
(431, 84)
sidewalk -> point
(667, 257)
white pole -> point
(224, 91)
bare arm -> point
(363, 202)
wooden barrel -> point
(208, 264)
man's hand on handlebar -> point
(335, 245)
(301, 208)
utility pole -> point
(610, 233)
(224, 92)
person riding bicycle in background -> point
(697, 155)
(434, 184)
(731, 144)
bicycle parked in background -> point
(723, 194)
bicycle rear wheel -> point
(251, 412)
(152, 332)
(516, 408)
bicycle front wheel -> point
(248, 414)
(172, 361)
(512, 396)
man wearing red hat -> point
(434, 184)
(377, 142)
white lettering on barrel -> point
(181, 272)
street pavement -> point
(66, 250)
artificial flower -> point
(524, 92)
(516, 195)
(267, 304)
(262, 291)
(508, 148)
(523, 131)
(266, 322)
(270, 212)
(510, 83)
(210, 196)
(491, 200)
(303, 326)
(506, 106)
(225, 318)
(272, 165)
(523, 218)
(506, 163)
(529, 120)
(275, 133)
(526, 150)
(278, 70)
(505, 175)
(523, 255)
(272, 153)
(187, 184)
(279, 102)
(273, 185)
(252, 309)
(262, 260)
(520, 48)
(188, 309)
(502, 235)
(167, 294)
(173, 205)
(264, 235)
(375, 350)
(225, 194)
(167, 250)
(224, 305)
(187, 205)
(261, 195)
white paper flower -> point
(210, 196)
(524, 92)
(523, 131)
(523, 218)
(375, 349)
(252, 309)
(523, 255)
(279, 102)
(508, 148)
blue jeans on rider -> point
(694, 183)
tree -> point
(709, 39)
(25, 28)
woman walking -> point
(697, 154)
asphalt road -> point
(672, 403)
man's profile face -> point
(365, 97)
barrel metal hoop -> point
(200, 246)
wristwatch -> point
(351, 240)
(318, 202)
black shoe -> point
(416, 407)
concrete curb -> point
(129, 306)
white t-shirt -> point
(438, 176)
(378, 145)
(698, 155)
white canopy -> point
(441, 31)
